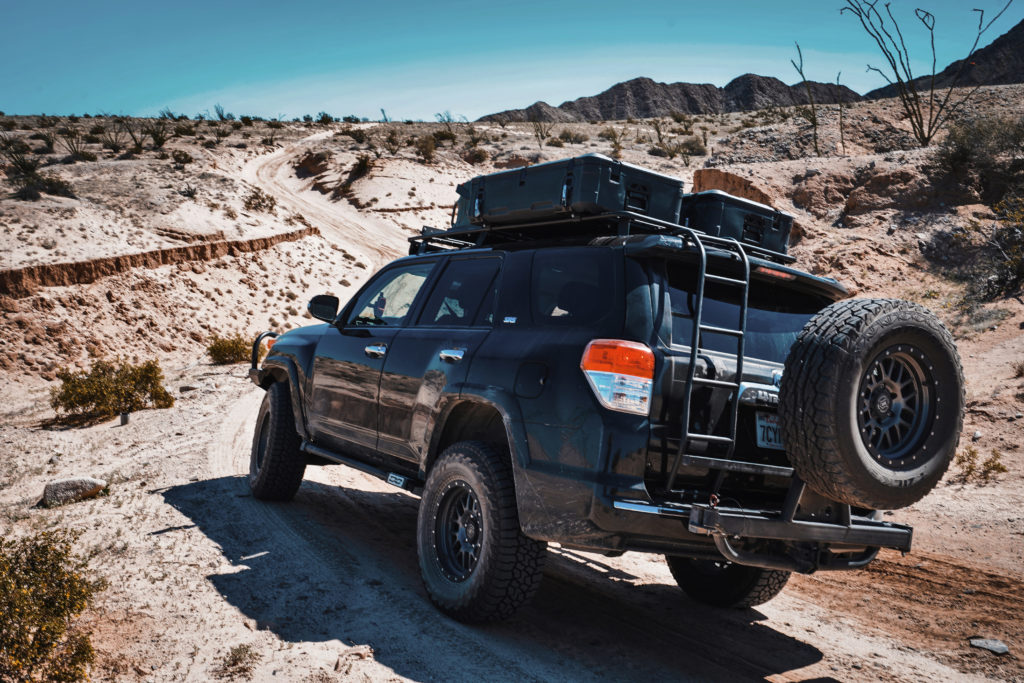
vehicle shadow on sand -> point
(340, 563)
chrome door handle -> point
(452, 355)
(376, 350)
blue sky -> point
(418, 58)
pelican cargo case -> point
(584, 185)
(723, 215)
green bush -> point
(425, 148)
(475, 155)
(109, 388)
(43, 590)
(230, 349)
(986, 154)
(181, 157)
(258, 200)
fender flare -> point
(278, 369)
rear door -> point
(430, 358)
(351, 355)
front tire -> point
(725, 584)
(475, 561)
(276, 464)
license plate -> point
(769, 431)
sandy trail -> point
(336, 569)
(374, 242)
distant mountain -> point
(643, 98)
(999, 63)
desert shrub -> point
(985, 154)
(33, 187)
(184, 129)
(222, 134)
(236, 125)
(245, 120)
(275, 124)
(392, 142)
(239, 662)
(693, 147)
(356, 134)
(44, 588)
(8, 124)
(74, 143)
(109, 388)
(973, 471)
(350, 118)
(325, 119)
(48, 138)
(229, 349)
(1018, 368)
(209, 144)
(258, 200)
(988, 258)
(181, 157)
(555, 142)
(97, 129)
(573, 137)
(444, 135)
(425, 148)
(190, 191)
(44, 121)
(158, 132)
(475, 155)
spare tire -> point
(871, 402)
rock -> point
(66, 491)
(1019, 415)
(977, 435)
(990, 644)
(186, 388)
(54, 459)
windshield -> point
(775, 315)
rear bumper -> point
(758, 524)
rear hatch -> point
(780, 301)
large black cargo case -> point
(585, 185)
(718, 213)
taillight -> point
(621, 373)
(270, 343)
(772, 272)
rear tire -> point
(725, 584)
(871, 403)
(475, 561)
(276, 464)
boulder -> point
(66, 491)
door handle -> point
(376, 350)
(452, 355)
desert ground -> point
(153, 256)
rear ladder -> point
(729, 251)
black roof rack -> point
(572, 229)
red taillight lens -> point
(621, 374)
(620, 357)
(771, 272)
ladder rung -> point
(736, 466)
(716, 383)
(725, 280)
(721, 330)
(709, 437)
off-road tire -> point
(506, 570)
(726, 584)
(857, 366)
(276, 464)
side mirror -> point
(323, 307)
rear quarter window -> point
(573, 286)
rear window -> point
(775, 315)
(572, 286)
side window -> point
(388, 299)
(459, 293)
(571, 286)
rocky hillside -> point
(1000, 63)
(643, 98)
